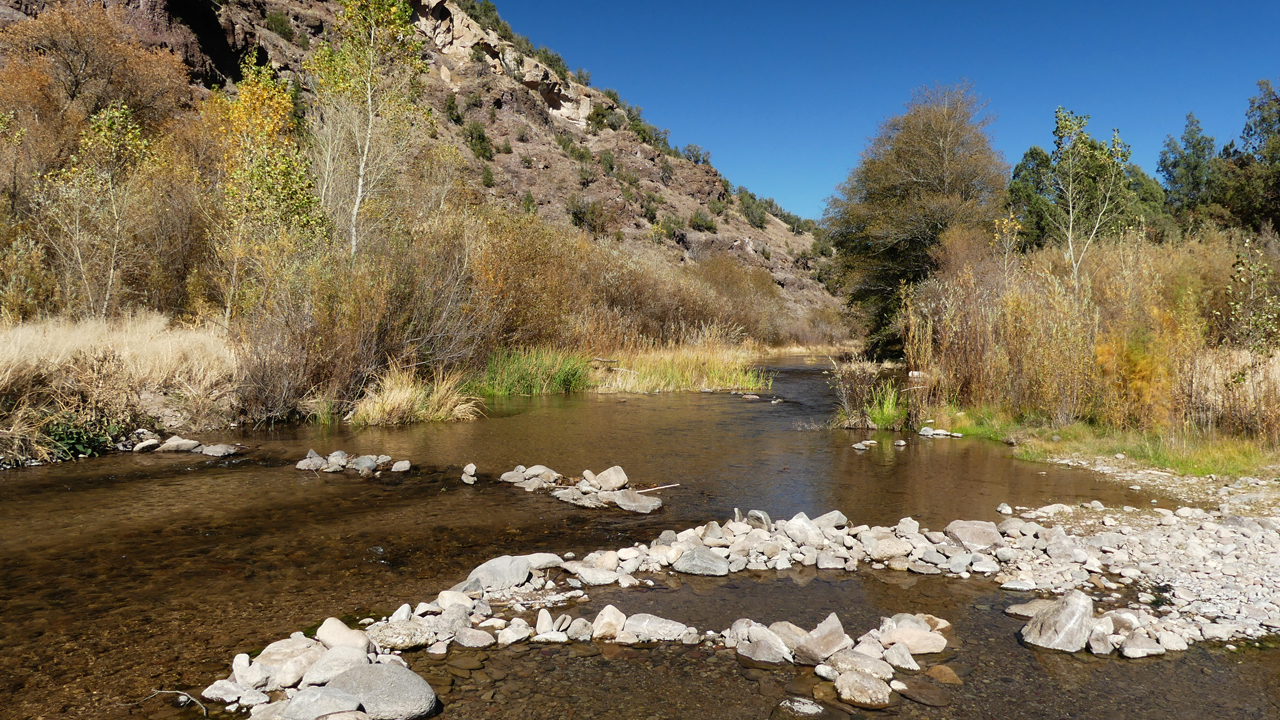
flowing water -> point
(127, 574)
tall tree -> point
(1187, 167)
(1250, 172)
(1029, 196)
(366, 83)
(926, 170)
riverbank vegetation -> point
(302, 247)
(1082, 300)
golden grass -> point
(401, 397)
(687, 367)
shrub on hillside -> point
(591, 216)
(701, 222)
(473, 134)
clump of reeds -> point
(533, 371)
(401, 397)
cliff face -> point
(557, 156)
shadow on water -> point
(130, 573)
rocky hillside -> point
(555, 146)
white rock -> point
(608, 623)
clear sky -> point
(785, 95)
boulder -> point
(501, 572)
(612, 479)
(333, 632)
(853, 661)
(919, 642)
(862, 690)
(825, 640)
(764, 647)
(473, 638)
(608, 623)
(790, 633)
(801, 529)
(388, 692)
(1065, 625)
(178, 444)
(701, 561)
(889, 548)
(247, 674)
(315, 702)
(631, 501)
(286, 661)
(651, 627)
(899, 656)
(1171, 641)
(146, 446)
(1029, 609)
(798, 708)
(402, 634)
(591, 575)
(542, 561)
(223, 691)
(580, 630)
(335, 661)
(759, 519)
(833, 519)
(220, 450)
(449, 598)
(1140, 646)
(513, 634)
(401, 466)
(974, 535)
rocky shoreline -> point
(1192, 576)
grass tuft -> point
(533, 371)
(401, 397)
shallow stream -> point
(127, 574)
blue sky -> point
(785, 95)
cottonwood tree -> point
(267, 215)
(365, 81)
(1088, 188)
(926, 170)
(86, 212)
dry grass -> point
(685, 367)
(401, 397)
(93, 374)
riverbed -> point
(127, 574)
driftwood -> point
(203, 710)
(660, 487)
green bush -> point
(451, 109)
(486, 177)
(702, 222)
(474, 100)
(506, 147)
(717, 207)
(528, 204)
(478, 55)
(696, 155)
(582, 76)
(572, 148)
(586, 175)
(476, 139)
(607, 162)
(590, 216)
(669, 227)
(522, 134)
(526, 162)
(278, 23)
(665, 171)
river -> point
(127, 574)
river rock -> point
(1140, 646)
(388, 692)
(759, 519)
(590, 574)
(473, 638)
(701, 561)
(801, 529)
(631, 501)
(333, 632)
(542, 561)
(574, 496)
(223, 691)
(612, 479)
(580, 630)
(974, 535)
(899, 656)
(315, 702)
(178, 444)
(889, 548)
(863, 691)
(608, 623)
(944, 674)
(651, 627)
(335, 661)
(790, 633)
(831, 520)
(146, 446)
(513, 634)
(764, 647)
(1065, 625)
(220, 450)
(248, 674)
(501, 573)
(825, 640)
(1171, 641)
(798, 708)
(401, 466)
(924, 692)
(449, 598)
(853, 661)
(286, 661)
(919, 642)
(1029, 609)
(409, 634)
